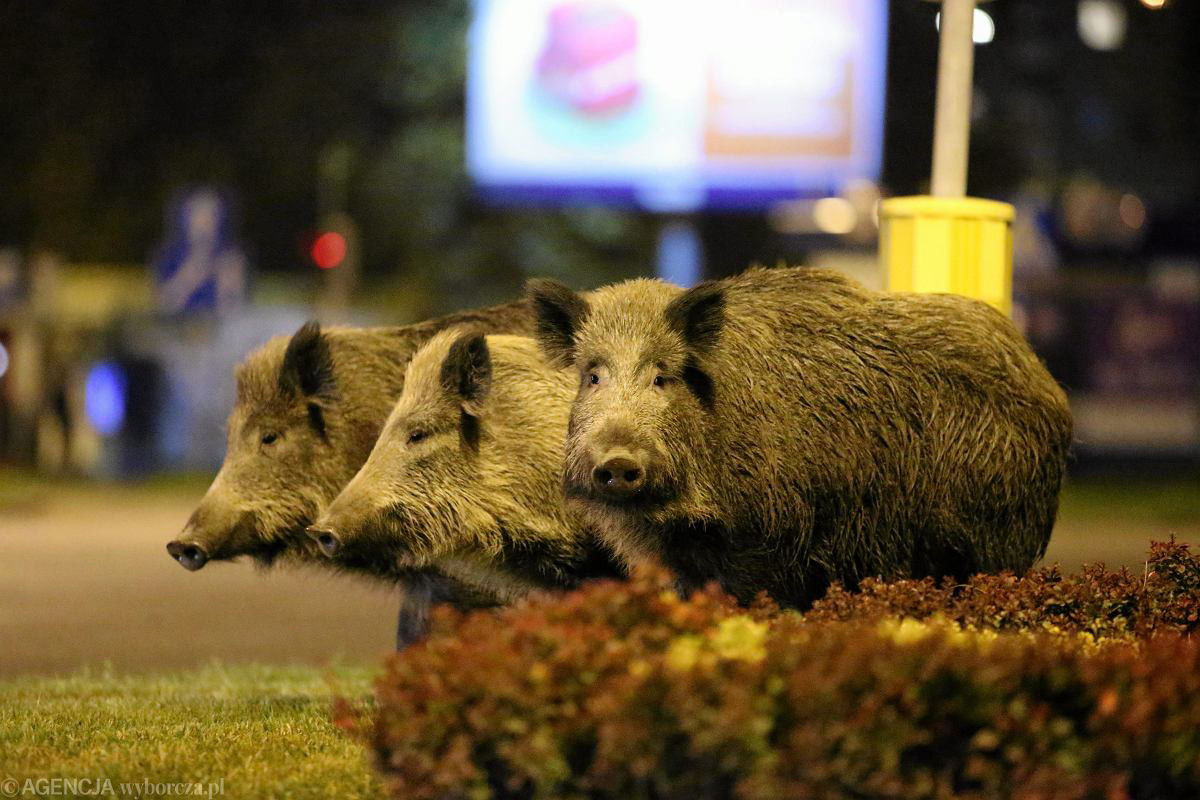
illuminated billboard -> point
(674, 104)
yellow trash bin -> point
(948, 244)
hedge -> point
(1164, 598)
(1047, 686)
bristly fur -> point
(477, 494)
(814, 431)
(308, 410)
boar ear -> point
(559, 311)
(467, 370)
(307, 362)
(698, 315)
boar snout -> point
(326, 538)
(190, 555)
(216, 530)
(619, 474)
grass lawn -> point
(264, 730)
(1173, 500)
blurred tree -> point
(109, 109)
(414, 196)
(1054, 108)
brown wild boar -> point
(467, 473)
(306, 415)
(785, 428)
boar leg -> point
(422, 591)
(415, 605)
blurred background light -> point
(329, 250)
(3, 360)
(104, 397)
(835, 215)
(983, 27)
(680, 254)
(1154, 5)
(1132, 211)
(1102, 24)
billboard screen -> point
(674, 104)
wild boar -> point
(306, 415)
(467, 474)
(785, 428)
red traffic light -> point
(328, 250)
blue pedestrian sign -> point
(201, 267)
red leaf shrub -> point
(1105, 604)
(627, 691)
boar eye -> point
(270, 438)
(593, 378)
(417, 436)
(659, 381)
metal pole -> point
(334, 171)
(952, 117)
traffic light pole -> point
(338, 282)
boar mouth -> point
(379, 563)
(406, 533)
(266, 551)
(265, 554)
(267, 547)
(650, 498)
